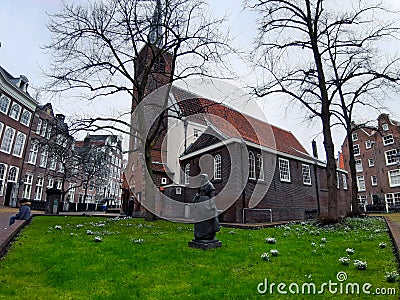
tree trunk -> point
(353, 174)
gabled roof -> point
(232, 123)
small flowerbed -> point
(134, 259)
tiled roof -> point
(232, 123)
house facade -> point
(46, 163)
(17, 109)
(376, 151)
(100, 169)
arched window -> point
(260, 165)
(33, 152)
(15, 111)
(7, 139)
(252, 166)
(217, 166)
(12, 175)
(26, 117)
(187, 174)
(4, 103)
(19, 144)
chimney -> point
(60, 118)
(314, 149)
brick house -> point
(274, 170)
(48, 146)
(376, 152)
(17, 108)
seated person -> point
(24, 212)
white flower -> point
(231, 232)
(89, 232)
(350, 251)
(58, 227)
(79, 226)
(323, 240)
(313, 244)
(97, 239)
(137, 241)
(359, 264)
(274, 252)
(270, 240)
(391, 276)
(382, 245)
(265, 256)
(344, 260)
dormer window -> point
(385, 127)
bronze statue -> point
(205, 230)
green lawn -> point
(47, 263)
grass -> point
(46, 263)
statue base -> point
(205, 244)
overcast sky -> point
(23, 32)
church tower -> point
(153, 69)
(154, 62)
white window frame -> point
(18, 111)
(44, 156)
(33, 152)
(371, 162)
(344, 180)
(356, 150)
(362, 199)
(361, 183)
(354, 137)
(252, 165)
(337, 180)
(306, 173)
(39, 188)
(196, 133)
(390, 160)
(6, 144)
(260, 165)
(44, 128)
(4, 108)
(388, 140)
(374, 180)
(284, 170)
(71, 191)
(187, 174)
(359, 166)
(391, 173)
(50, 182)
(368, 144)
(11, 176)
(3, 176)
(163, 180)
(28, 180)
(19, 144)
(1, 129)
(385, 127)
(217, 167)
(39, 126)
(26, 120)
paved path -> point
(393, 221)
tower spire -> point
(155, 34)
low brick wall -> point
(9, 234)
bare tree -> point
(135, 47)
(317, 56)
